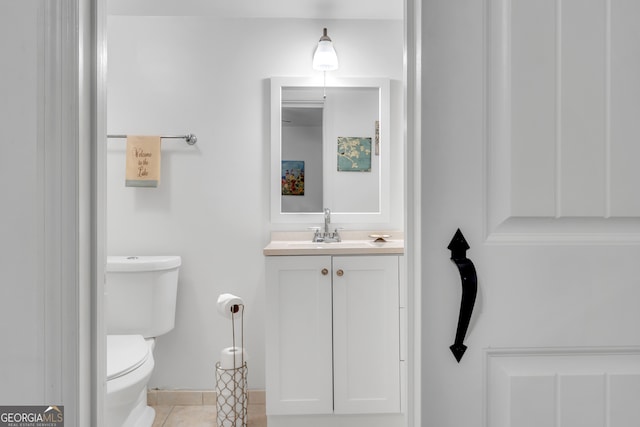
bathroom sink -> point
(335, 245)
(306, 247)
(319, 245)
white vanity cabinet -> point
(299, 367)
(333, 334)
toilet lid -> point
(124, 354)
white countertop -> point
(353, 243)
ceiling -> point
(304, 9)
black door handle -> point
(458, 248)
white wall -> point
(22, 359)
(209, 76)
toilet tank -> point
(140, 294)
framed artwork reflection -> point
(292, 177)
(354, 154)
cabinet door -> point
(298, 335)
(366, 331)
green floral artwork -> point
(354, 154)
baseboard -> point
(158, 397)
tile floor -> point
(189, 409)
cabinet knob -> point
(340, 273)
(324, 271)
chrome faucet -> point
(326, 236)
(327, 220)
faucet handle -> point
(336, 235)
(317, 236)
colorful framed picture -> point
(354, 154)
(293, 177)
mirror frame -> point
(384, 184)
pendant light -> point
(325, 58)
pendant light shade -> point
(325, 58)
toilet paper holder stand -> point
(231, 383)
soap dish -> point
(380, 238)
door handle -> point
(458, 248)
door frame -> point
(93, 20)
(413, 204)
(67, 128)
(96, 21)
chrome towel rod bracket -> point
(190, 138)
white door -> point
(531, 145)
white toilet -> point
(140, 304)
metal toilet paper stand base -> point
(231, 400)
(231, 384)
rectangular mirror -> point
(329, 149)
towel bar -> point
(190, 138)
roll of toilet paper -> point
(231, 355)
(227, 304)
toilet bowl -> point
(140, 306)
(129, 367)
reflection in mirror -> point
(301, 155)
(341, 128)
(325, 150)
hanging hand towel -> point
(143, 161)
